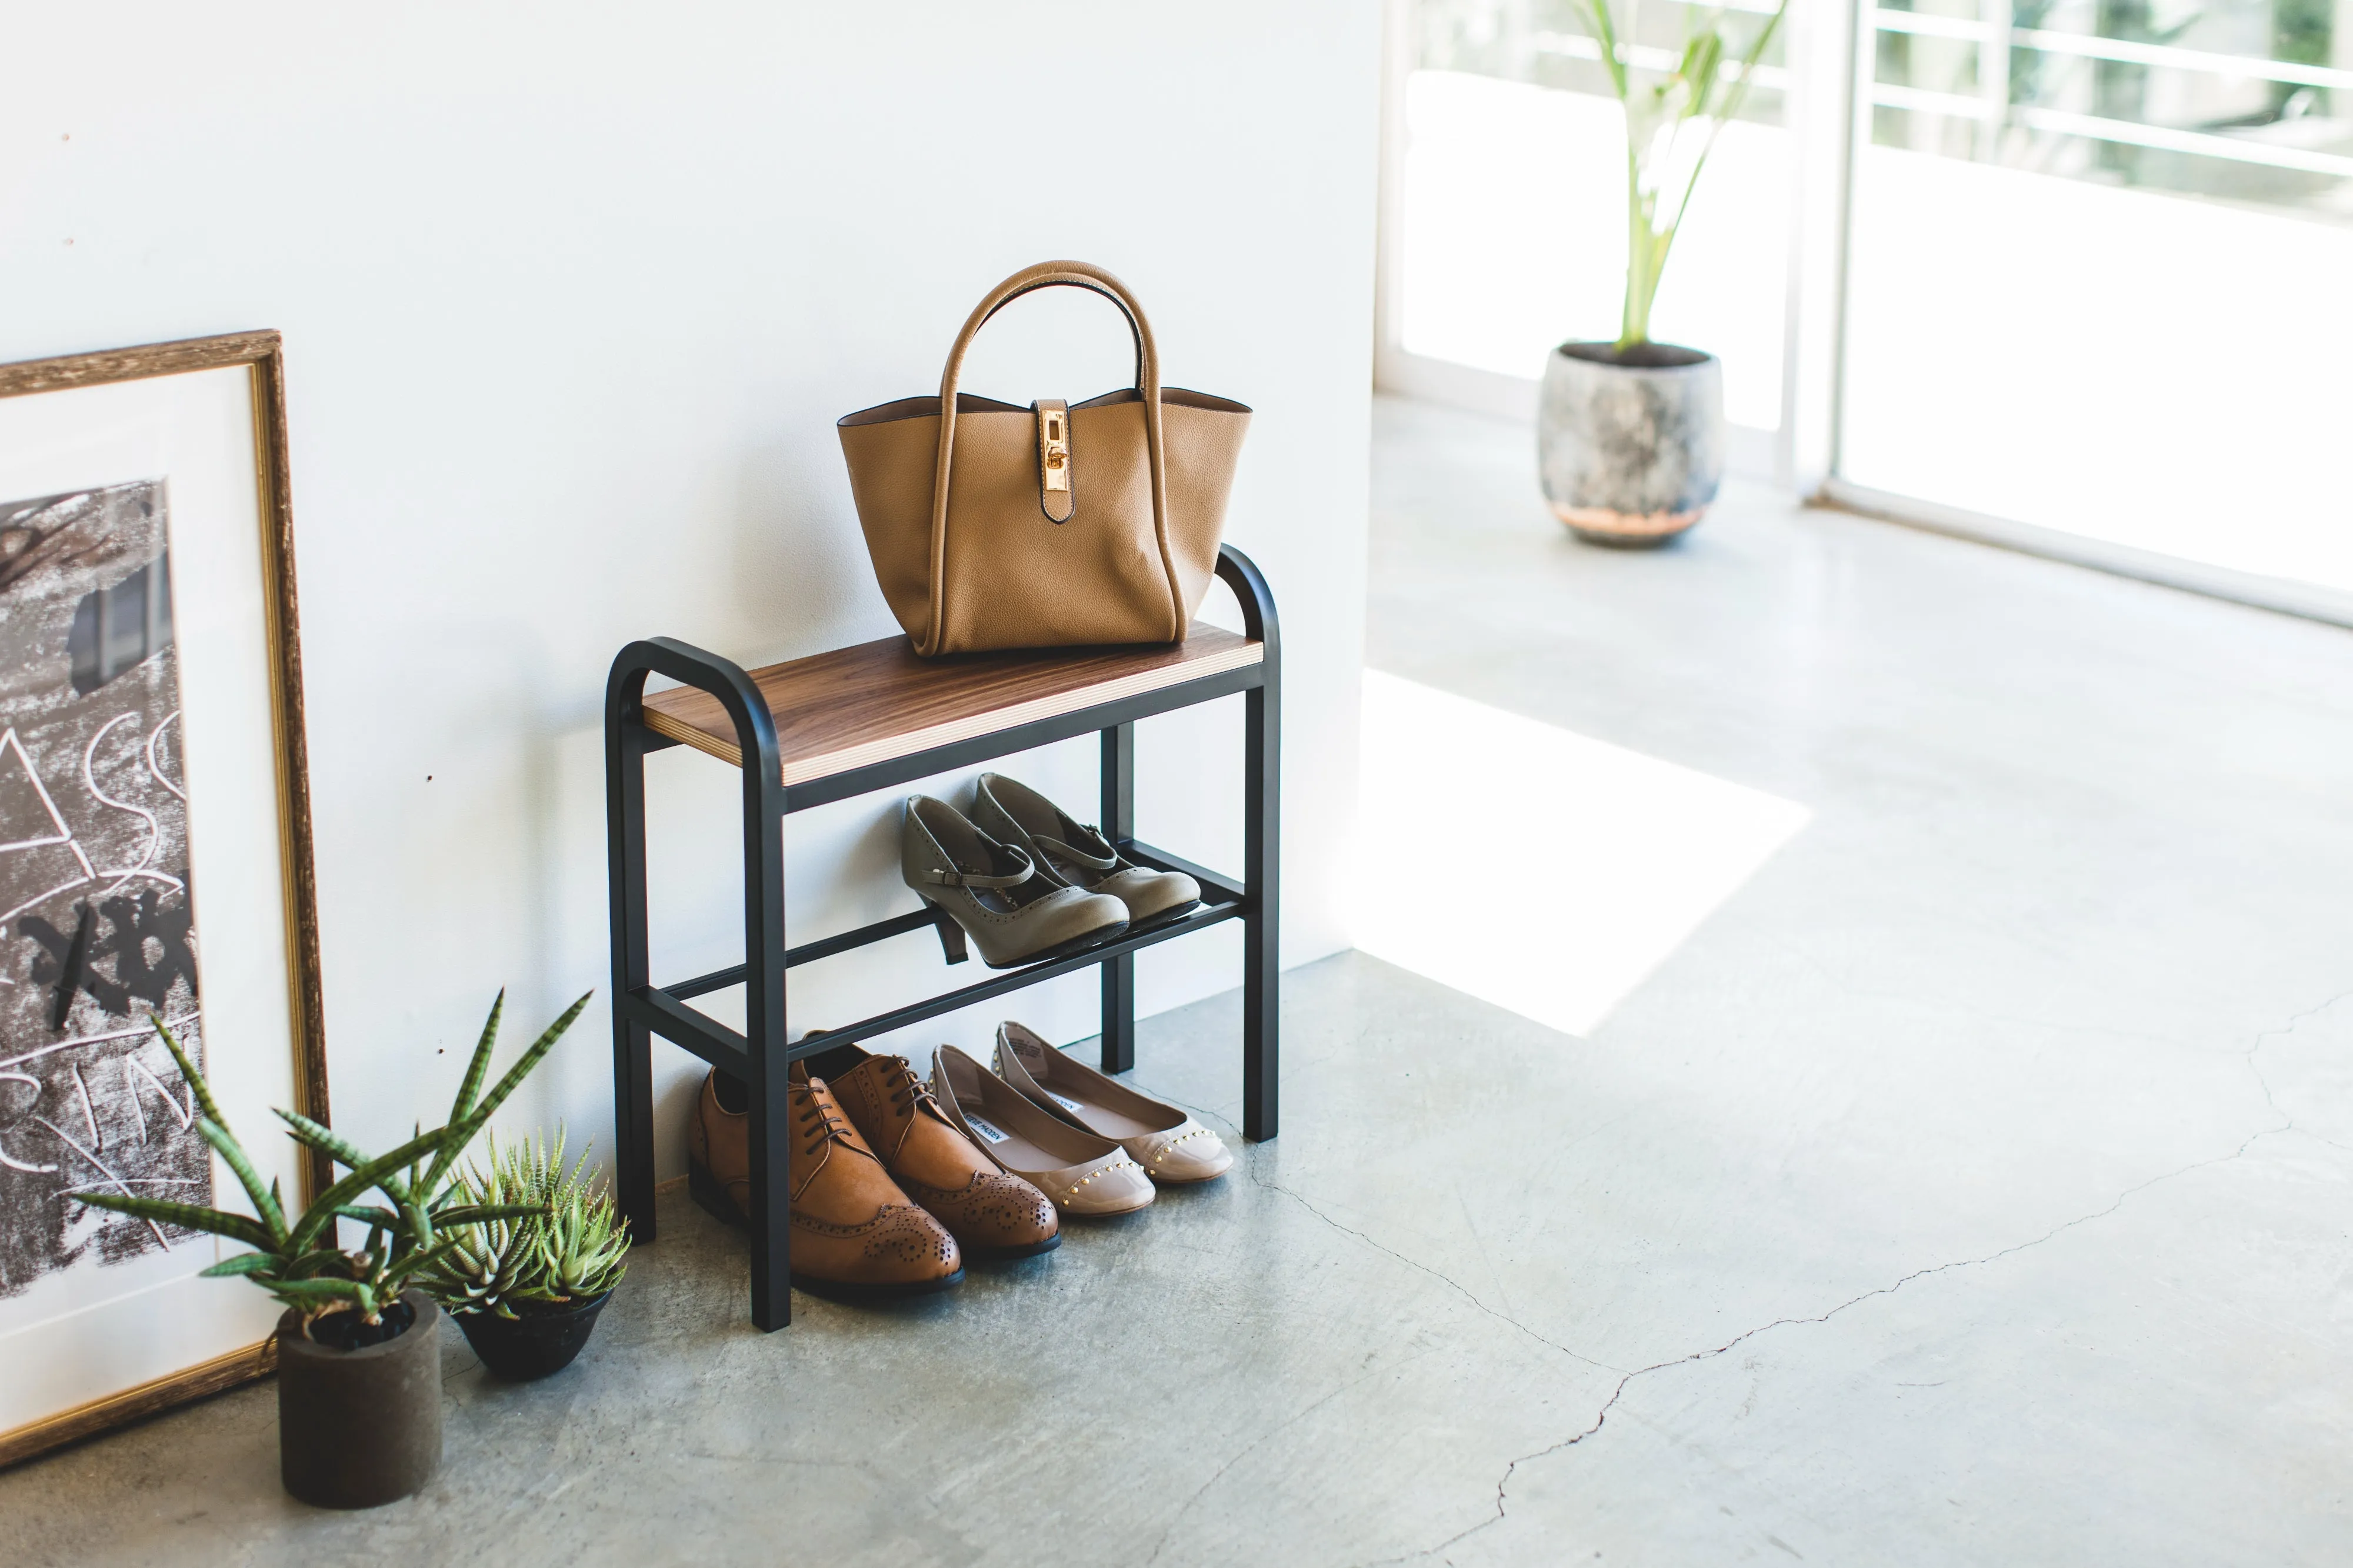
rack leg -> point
(764, 1032)
(1261, 927)
(633, 1085)
(1119, 823)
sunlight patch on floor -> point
(1535, 869)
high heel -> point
(994, 891)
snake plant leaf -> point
(315, 1262)
(424, 1257)
(323, 1138)
(477, 1066)
(233, 1155)
(215, 1131)
(195, 1081)
(477, 1237)
(188, 1216)
(462, 1130)
(324, 1287)
(322, 1213)
(242, 1264)
(327, 1141)
(314, 1297)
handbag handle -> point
(1052, 275)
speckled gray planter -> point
(1630, 449)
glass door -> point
(2099, 276)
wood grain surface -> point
(857, 706)
(137, 363)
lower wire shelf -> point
(1011, 980)
(661, 1008)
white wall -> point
(572, 296)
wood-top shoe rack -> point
(858, 720)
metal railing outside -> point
(1990, 106)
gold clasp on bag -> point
(1054, 493)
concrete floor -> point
(1973, 1185)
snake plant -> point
(423, 1217)
(1672, 124)
(564, 1245)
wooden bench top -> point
(857, 706)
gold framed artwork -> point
(154, 860)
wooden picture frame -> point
(175, 455)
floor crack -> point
(1451, 1284)
(2264, 1083)
(1251, 1447)
(1602, 1417)
(1258, 1179)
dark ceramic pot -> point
(534, 1343)
(1629, 444)
(357, 1429)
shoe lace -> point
(909, 1093)
(821, 1121)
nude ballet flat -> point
(1084, 1174)
(1172, 1147)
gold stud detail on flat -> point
(1090, 1175)
(1162, 1153)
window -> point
(1508, 233)
(2100, 273)
(2087, 281)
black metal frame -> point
(761, 1056)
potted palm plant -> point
(359, 1370)
(1629, 434)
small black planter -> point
(360, 1427)
(540, 1341)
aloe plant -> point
(1672, 124)
(422, 1219)
(565, 1244)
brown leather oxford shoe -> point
(854, 1234)
(991, 1211)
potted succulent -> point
(1629, 435)
(359, 1367)
(526, 1289)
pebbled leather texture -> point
(978, 562)
(985, 1207)
(851, 1222)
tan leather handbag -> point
(994, 526)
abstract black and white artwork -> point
(154, 865)
(97, 928)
